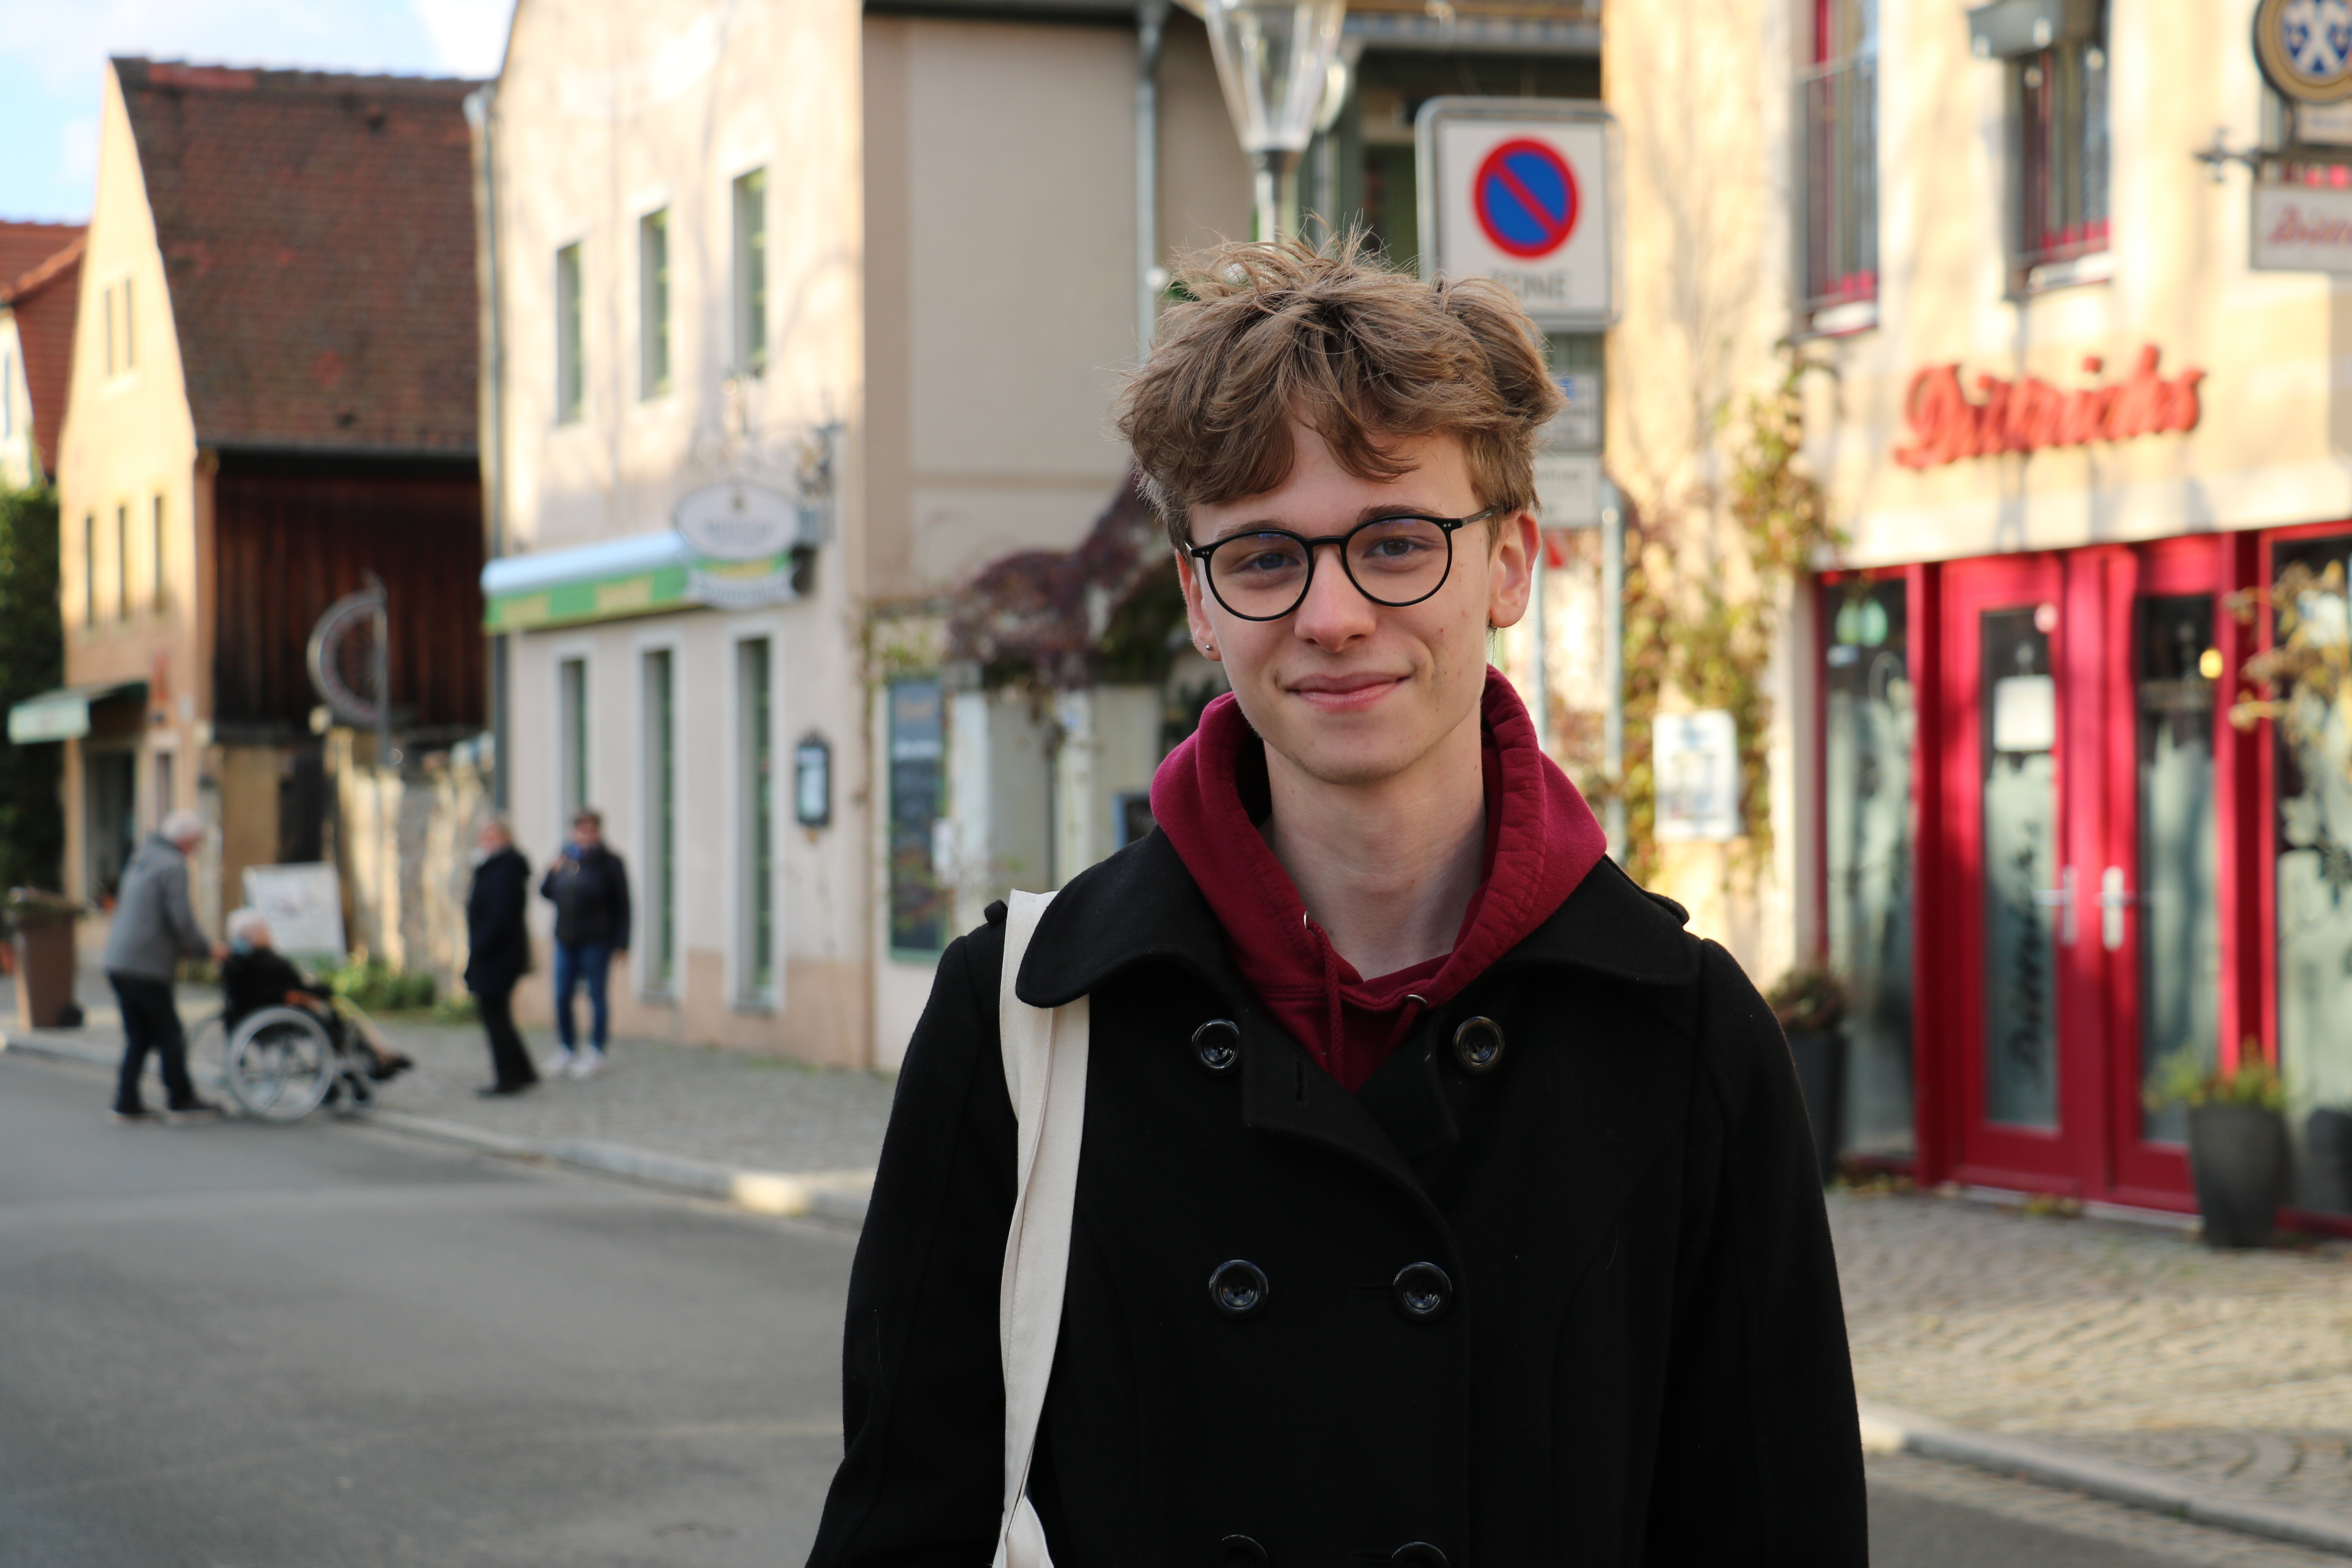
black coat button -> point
(1418, 1554)
(1238, 1288)
(1241, 1552)
(1423, 1292)
(1218, 1044)
(1478, 1044)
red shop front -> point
(2050, 864)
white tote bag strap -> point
(1045, 1075)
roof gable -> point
(42, 297)
(316, 234)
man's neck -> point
(1387, 869)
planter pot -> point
(2239, 1154)
(2327, 1161)
(1821, 1073)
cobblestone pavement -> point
(2232, 1369)
(730, 1106)
(2086, 1519)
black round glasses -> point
(1263, 573)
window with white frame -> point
(122, 329)
(572, 737)
(756, 805)
(751, 273)
(652, 304)
(660, 828)
(570, 383)
(1837, 119)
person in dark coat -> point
(1441, 1199)
(498, 953)
(590, 890)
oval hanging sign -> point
(2305, 48)
(737, 520)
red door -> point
(2086, 917)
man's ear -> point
(1196, 613)
(1510, 567)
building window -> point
(652, 304)
(88, 569)
(1868, 724)
(568, 378)
(756, 723)
(159, 590)
(751, 273)
(2060, 94)
(122, 354)
(1837, 114)
(165, 786)
(917, 752)
(121, 562)
(7, 393)
(661, 824)
(572, 737)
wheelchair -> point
(281, 1063)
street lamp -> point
(1274, 58)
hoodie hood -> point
(1210, 795)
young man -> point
(1441, 1200)
(590, 889)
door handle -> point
(2062, 898)
(2113, 901)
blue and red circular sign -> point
(1525, 196)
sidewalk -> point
(2115, 1358)
(2118, 1358)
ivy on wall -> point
(1706, 635)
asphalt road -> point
(239, 1346)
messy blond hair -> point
(1361, 354)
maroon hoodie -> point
(1211, 793)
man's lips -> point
(1344, 693)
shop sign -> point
(1695, 760)
(2032, 416)
(1518, 191)
(2305, 48)
(739, 536)
(2301, 228)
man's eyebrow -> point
(1371, 513)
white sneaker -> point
(560, 1065)
(587, 1064)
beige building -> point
(862, 279)
(2062, 416)
(271, 400)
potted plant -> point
(1811, 1001)
(2237, 1142)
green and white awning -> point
(64, 714)
(644, 574)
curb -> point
(836, 1195)
(1888, 1430)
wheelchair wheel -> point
(279, 1064)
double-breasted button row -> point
(1239, 1288)
(1243, 1552)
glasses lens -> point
(1399, 560)
(1258, 573)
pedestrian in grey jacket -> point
(154, 928)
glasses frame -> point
(1448, 526)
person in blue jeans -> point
(590, 889)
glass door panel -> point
(2179, 892)
(2024, 885)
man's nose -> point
(1334, 611)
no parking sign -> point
(1519, 190)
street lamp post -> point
(1274, 59)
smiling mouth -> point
(1345, 693)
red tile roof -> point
(318, 234)
(40, 277)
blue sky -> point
(53, 52)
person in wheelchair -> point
(256, 975)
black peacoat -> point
(1554, 1287)
(497, 944)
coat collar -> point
(1141, 905)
